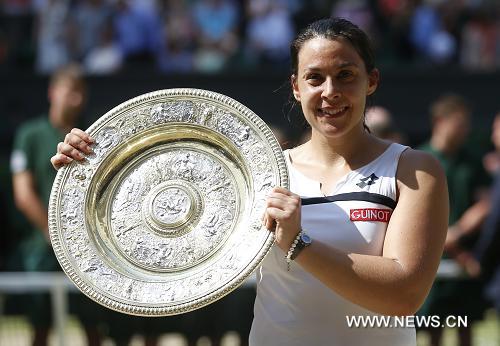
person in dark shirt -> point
(450, 128)
(32, 178)
(488, 243)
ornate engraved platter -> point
(165, 216)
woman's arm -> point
(397, 282)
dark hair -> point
(334, 28)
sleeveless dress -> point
(293, 307)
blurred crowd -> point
(208, 36)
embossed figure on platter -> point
(171, 205)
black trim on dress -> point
(352, 196)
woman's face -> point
(332, 84)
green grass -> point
(484, 333)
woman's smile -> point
(333, 112)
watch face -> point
(306, 239)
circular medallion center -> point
(171, 206)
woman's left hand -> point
(282, 216)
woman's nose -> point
(330, 90)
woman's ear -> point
(373, 80)
(295, 87)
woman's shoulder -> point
(415, 165)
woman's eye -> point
(345, 74)
(313, 76)
(314, 79)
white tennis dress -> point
(293, 307)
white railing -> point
(58, 285)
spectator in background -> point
(491, 161)
(270, 30)
(393, 19)
(176, 54)
(138, 30)
(106, 57)
(216, 23)
(215, 18)
(32, 182)
(450, 127)
(88, 20)
(486, 250)
(481, 40)
(52, 35)
(430, 36)
(358, 12)
(380, 122)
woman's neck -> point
(348, 150)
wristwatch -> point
(303, 241)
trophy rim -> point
(171, 309)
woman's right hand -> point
(75, 143)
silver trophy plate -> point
(165, 216)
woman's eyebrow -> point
(345, 64)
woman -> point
(362, 228)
